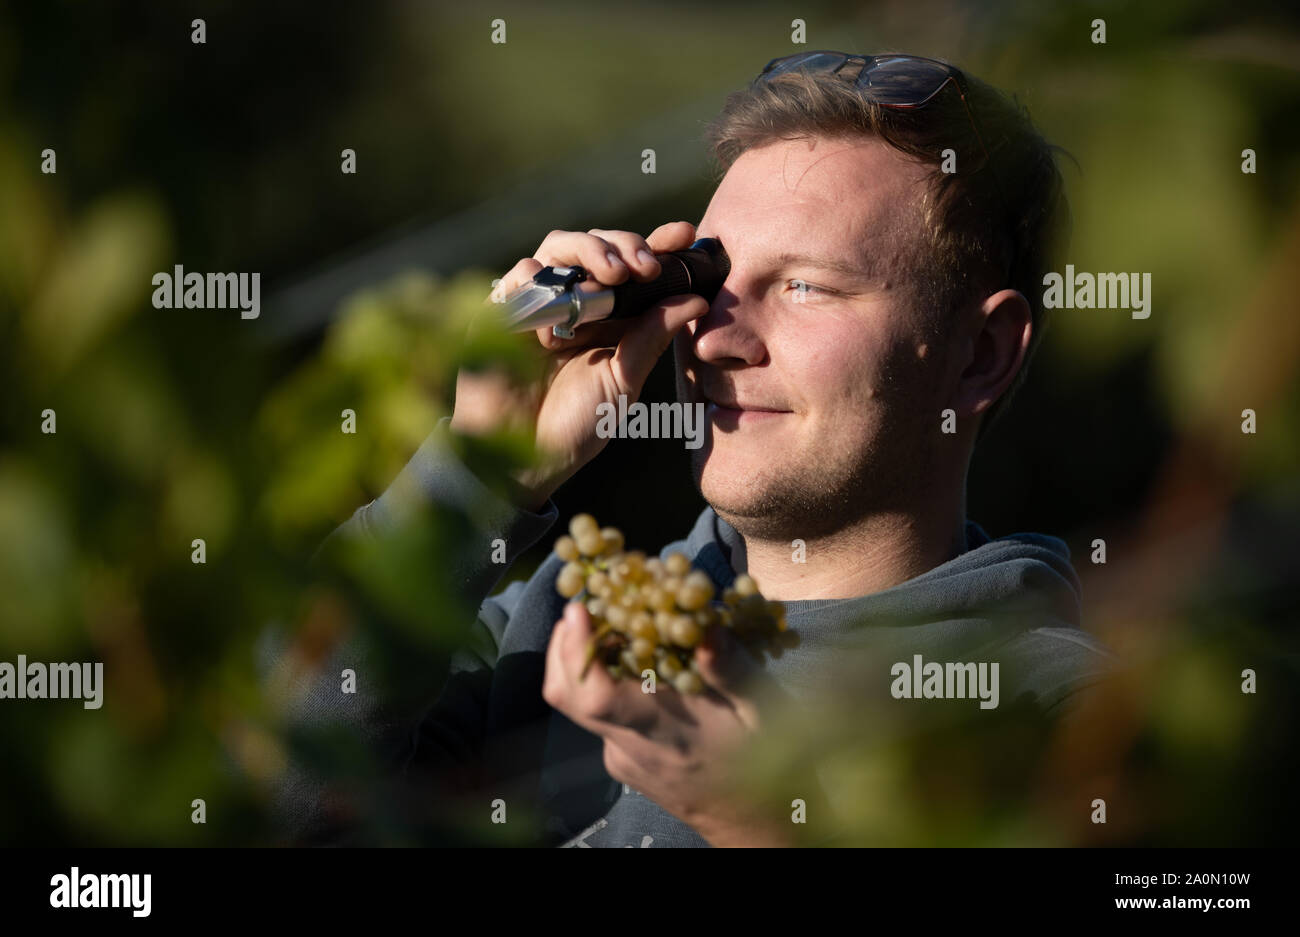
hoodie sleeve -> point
(446, 727)
(1061, 663)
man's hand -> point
(677, 749)
(601, 361)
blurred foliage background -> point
(180, 424)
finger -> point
(558, 684)
(556, 669)
(673, 236)
(515, 277)
(602, 260)
(597, 701)
(598, 256)
(649, 337)
(560, 650)
(591, 694)
(575, 635)
(730, 670)
(634, 251)
(605, 333)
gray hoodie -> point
(1013, 600)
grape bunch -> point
(651, 614)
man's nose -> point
(730, 329)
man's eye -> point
(802, 289)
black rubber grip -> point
(700, 269)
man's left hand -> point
(677, 749)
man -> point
(888, 222)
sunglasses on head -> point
(895, 81)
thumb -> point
(649, 337)
(727, 667)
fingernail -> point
(644, 256)
(613, 258)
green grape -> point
(677, 564)
(571, 580)
(590, 542)
(613, 540)
(660, 599)
(667, 668)
(566, 548)
(598, 584)
(618, 617)
(685, 632)
(688, 682)
(745, 585)
(695, 593)
(690, 598)
(643, 626)
(701, 579)
(663, 625)
(583, 523)
(632, 567)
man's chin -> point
(744, 494)
(770, 497)
(727, 473)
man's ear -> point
(1000, 338)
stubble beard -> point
(809, 496)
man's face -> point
(824, 399)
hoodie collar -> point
(1022, 573)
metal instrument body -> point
(564, 297)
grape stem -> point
(591, 648)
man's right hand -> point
(602, 360)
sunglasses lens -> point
(904, 81)
(813, 61)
